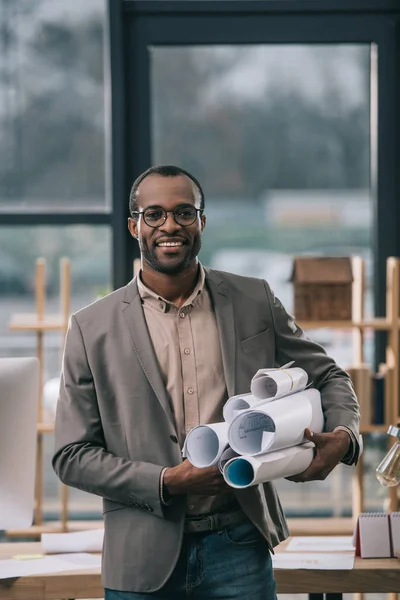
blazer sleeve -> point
(80, 459)
(339, 402)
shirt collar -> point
(156, 301)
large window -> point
(52, 175)
(51, 105)
(89, 250)
(279, 136)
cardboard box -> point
(322, 288)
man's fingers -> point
(316, 438)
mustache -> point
(170, 238)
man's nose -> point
(170, 224)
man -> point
(150, 361)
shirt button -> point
(190, 390)
(191, 506)
(186, 351)
(182, 315)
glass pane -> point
(279, 136)
(89, 250)
(52, 105)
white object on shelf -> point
(49, 399)
(19, 399)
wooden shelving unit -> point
(358, 325)
(41, 323)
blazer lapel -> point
(135, 320)
(223, 307)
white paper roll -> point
(226, 456)
(245, 471)
(237, 403)
(276, 425)
(204, 444)
(271, 384)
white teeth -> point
(170, 244)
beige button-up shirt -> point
(187, 347)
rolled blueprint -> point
(247, 470)
(225, 457)
(204, 444)
(271, 384)
(276, 425)
(237, 403)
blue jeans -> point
(230, 564)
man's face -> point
(168, 193)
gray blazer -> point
(115, 431)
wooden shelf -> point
(45, 427)
(53, 527)
(30, 322)
(378, 323)
(38, 323)
(374, 429)
(317, 526)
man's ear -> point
(133, 227)
(203, 222)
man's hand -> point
(187, 479)
(330, 448)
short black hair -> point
(164, 171)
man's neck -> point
(174, 288)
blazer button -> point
(174, 438)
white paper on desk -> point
(276, 425)
(49, 564)
(237, 403)
(86, 561)
(271, 384)
(78, 541)
(324, 561)
(245, 471)
(204, 444)
(316, 543)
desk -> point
(317, 526)
(369, 575)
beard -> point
(172, 265)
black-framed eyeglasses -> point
(155, 216)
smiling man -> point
(150, 361)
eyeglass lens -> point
(183, 215)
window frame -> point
(131, 26)
(136, 25)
